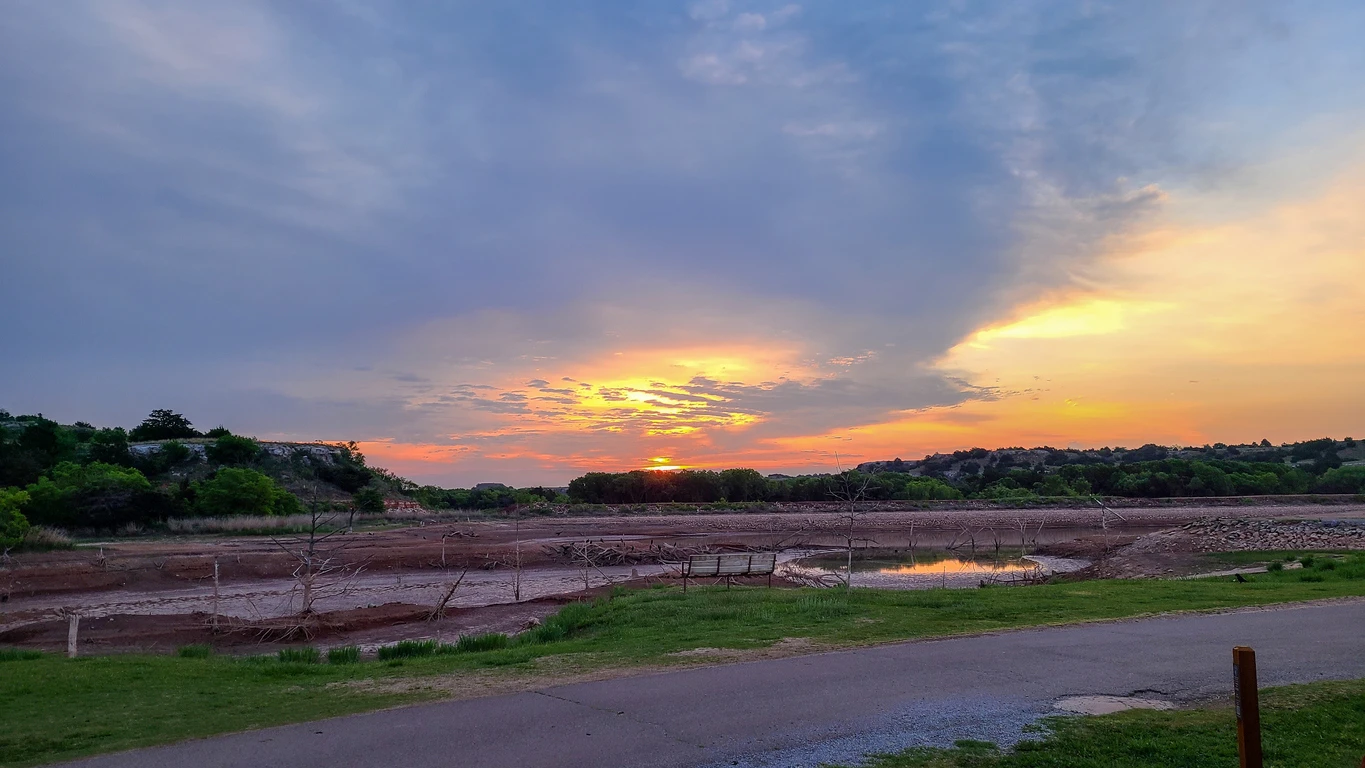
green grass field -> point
(1320, 725)
(55, 708)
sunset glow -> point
(708, 235)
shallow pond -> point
(924, 569)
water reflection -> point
(956, 565)
(901, 569)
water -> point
(923, 569)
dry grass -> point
(41, 537)
(295, 523)
(237, 524)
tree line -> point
(1140, 479)
(83, 477)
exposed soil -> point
(152, 593)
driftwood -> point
(439, 612)
(604, 554)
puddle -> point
(935, 568)
(1104, 705)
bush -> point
(19, 654)
(1311, 577)
(1327, 565)
(235, 491)
(198, 651)
(346, 654)
(1307, 561)
(305, 655)
(95, 495)
(233, 450)
(1275, 567)
(14, 525)
(407, 649)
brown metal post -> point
(1247, 706)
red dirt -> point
(155, 565)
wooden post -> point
(1247, 705)
(215, 594)
(73, 621)
(516, 587)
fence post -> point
(73, 621)
(1247, 704)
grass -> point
(347, 654)
(57, 708)
(1263, 557)
(194, 651)
(1318, 725)
(305, 655)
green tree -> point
(94, 495)
(369, 500)
(743, 485)
(1349, 479)
(110, 446)
(163, 424)
(237, 491)
(13, 523)
(48, 441)
(233, 450)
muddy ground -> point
(158, 593)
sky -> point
(517, 241)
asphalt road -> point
(803, 710)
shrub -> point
(1327, 565)
(235, 491)
(346, 654)
(13, 524)
(232, 449)
(1307, 561)
(94, 495)
(1275, 567)
(199, 651)
(19, 654)
(305, 655)
(1311, 577)
(407, 649)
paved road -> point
(800, 711)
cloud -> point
(403, 222)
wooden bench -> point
(729, 565)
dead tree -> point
(320, 569)
(1105, 512)
(1023, 525)
(439, 612)
(910, 540)
(849, 491)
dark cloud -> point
(251, 198)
